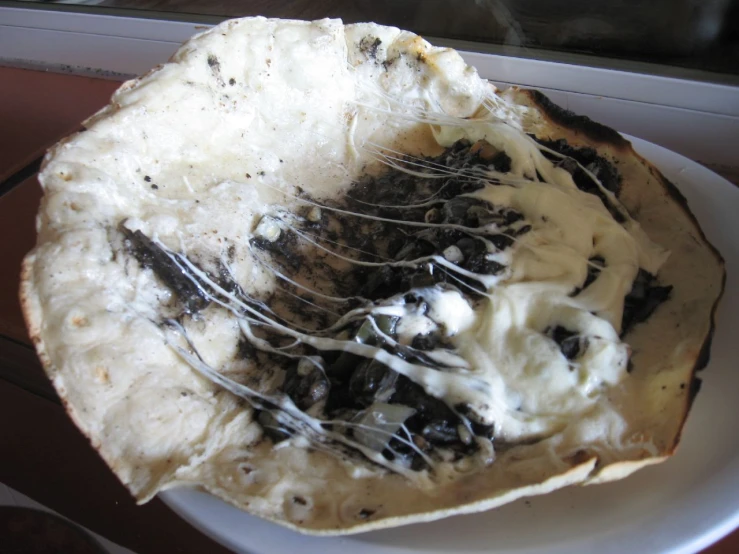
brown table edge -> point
(20, 366)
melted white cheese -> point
(450, 309)
(531, 389)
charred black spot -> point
(705, 354)
(695, 387)
(388, 63)
(581, 123)
(365, 513)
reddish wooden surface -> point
(37, 108)
(18, 232)
(46, 458)
(43, 454)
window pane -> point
(697, 34)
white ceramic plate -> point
(680, 506)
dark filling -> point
(150, 255)
(283, 249)
(588, 158)
(595, 265)
(376, 197)
(272, 428)
(348, 385)
(306, 387)
(465, 231)
(356, 383)
(642, 300)
(570, 342)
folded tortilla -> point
(194, 152)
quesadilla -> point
(332, 276)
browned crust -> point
(603, 134)
(702, 360)
(704, 355)
(577, 123)
(598, 132)
(33, 329)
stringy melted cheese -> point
(518, 378)
(505, 367)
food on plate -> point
(332, 276)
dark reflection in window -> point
(701, 34)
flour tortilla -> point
(285, 103)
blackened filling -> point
(570, 342)
(595, 265)
(389, 197)
(400, 261)
(588, 158)
(150, 255)
(642, 300)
